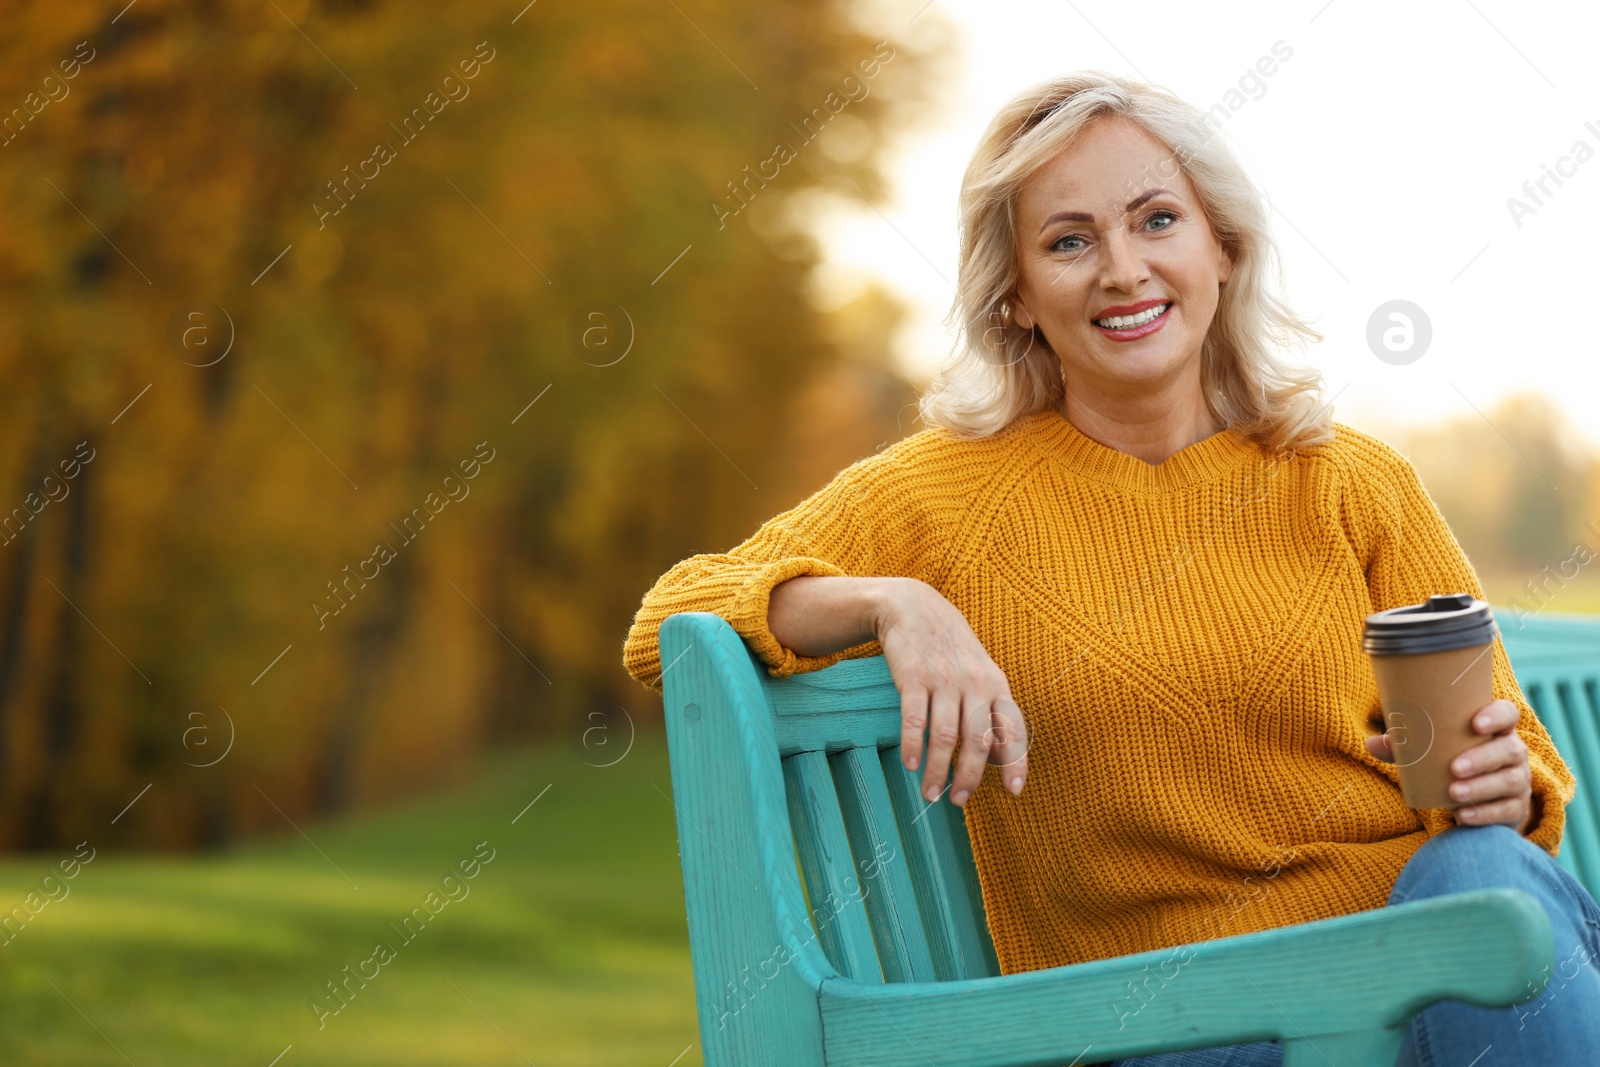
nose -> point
(1122, 269)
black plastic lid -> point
(1445, 622)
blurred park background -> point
(365, 364)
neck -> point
(1151, 426)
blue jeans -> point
(1559, 1026)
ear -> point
(1019, 312)
(1225, 267)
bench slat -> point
(869, 819)
(828, 870)
(1581, 844)
(1585, 763)
(943, 874)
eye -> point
(1056, 245)
(1162, 214)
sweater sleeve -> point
(868, 521)
(1410, 554)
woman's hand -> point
(1493, 781)
(950, 686)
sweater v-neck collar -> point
(1204, 461)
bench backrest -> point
(889, 882)
(902, 869)
(1557, 663)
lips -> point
(1131, 314)
(1149, 317)
(1130, 309)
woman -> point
(1127, 566)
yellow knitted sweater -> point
(1184, 642)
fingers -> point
(949, 686)
(1381, 747)
(1494, 781)
(1508, 750)
(1509, 810)
(1495, 716)
(944, 728)
(1009, 742)
(913, 720)
(976, 733)
(1514, 781)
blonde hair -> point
(999, 371)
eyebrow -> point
(1084, 216)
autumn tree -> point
(410, 344)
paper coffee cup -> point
(1434, 669)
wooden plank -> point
(1585, 806)
(852, 704)
(837, 911)
(943, 874)
(1339, 977)
(1578, 840)
(885, 880)
(757, 967)
(1377, 1047)
(1585, 765)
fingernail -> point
(1458, 790)
(1469, 814)
(1483, 722)
(1016, 785)
(1462, 766)
(912, 763)
(931, 793)
(959, 797)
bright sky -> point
(1388, 144)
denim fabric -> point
(1560, 1026)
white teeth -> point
(1123, 322)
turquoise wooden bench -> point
(835, 918)
(1557, 660)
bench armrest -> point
(1339, 991)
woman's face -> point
(1103, 233)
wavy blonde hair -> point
(999, 372)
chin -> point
(1155, 358)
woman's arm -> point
(947, 682)
(848, 567)
(866, 521)
(1517, 778)
(815, 615)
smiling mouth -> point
(1133, 322)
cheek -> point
(1196, 277)
(1057, 294)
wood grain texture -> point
(1347, 975)
(757, 963)
(869, 819)
(943, 874)
(837, 909)
(1580, 846)
(1561, 692)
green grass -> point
(571, 945)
